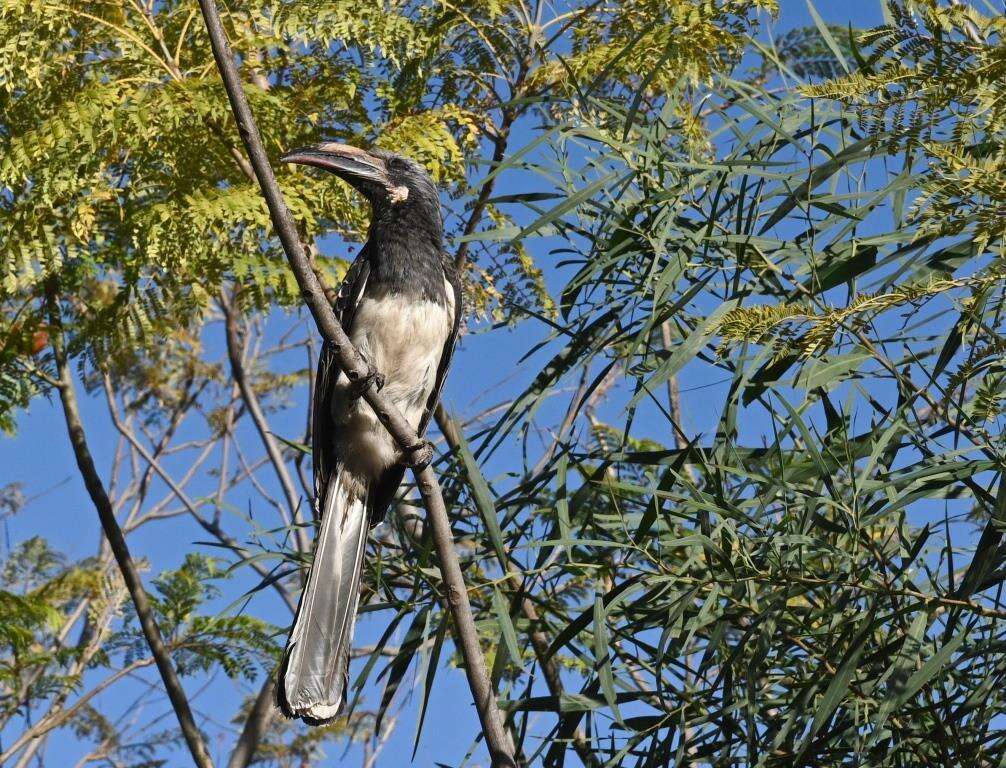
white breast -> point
(403, 339)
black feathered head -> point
(392, 183)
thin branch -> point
(371, 753)
(58, 718)
(539, 641)
(298, 462)
(92, 634)
(572, 412)
(272, 449)
(225, 442)
(500, 142)
(209, 526)
(349, 360)
(256, 722)
(117, 542)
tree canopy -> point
(741, 505)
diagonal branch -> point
(247, 393)
(210, 526)
(117, 543)
(482, 201)
(234, 354)
(349, 360)
(256, 723)
(540, 643)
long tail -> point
(315, 670)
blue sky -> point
(486, 370)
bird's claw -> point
(419, 455)
(362, 384)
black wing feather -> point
(322, 424)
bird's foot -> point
(362, 384)
(419, 455)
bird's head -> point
(391, 182)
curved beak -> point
(356, 166)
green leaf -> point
(819, 173)
(827, 36)
(506, 626)
(571, 202)
(483, 498)
(429, 674)
(932, 667)
(829, 372)
(602, 655)
(839, 685)
(684, 352)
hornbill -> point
(400, 305)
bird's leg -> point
(419, 455)
(372, 376)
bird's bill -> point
(355, 165)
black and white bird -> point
(400, 305)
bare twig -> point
(499, 150)
(349, 360)
(117, 542)
(572, 412)
(59, 717)
(372, 751)
(673, 389)
(234, 354)
(210, 526)
(256, 722)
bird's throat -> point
(407, 261)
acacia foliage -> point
(930, 80)
(122, 176)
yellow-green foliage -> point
(121, 174)
(38, 589)
(933, 79)
(666, 40)
(799, 328)
(122, 181)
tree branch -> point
(210, 526)
(255, 725)
(673, 391)
(59, 717)
(499, 150)
(234, 354)
(349, 360)
(117, 542)
(540, 643)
